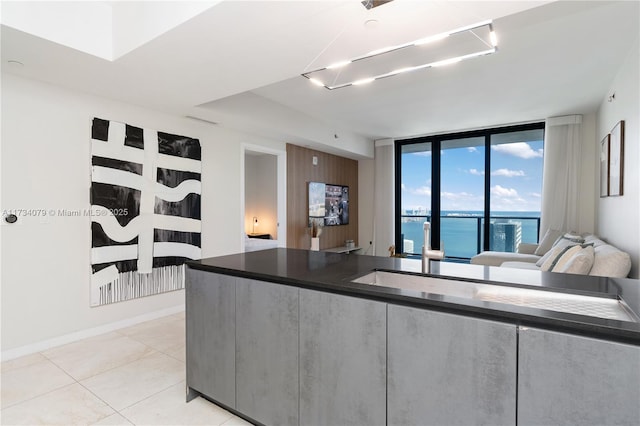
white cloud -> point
(461, 201)
(472, 149)
(422, 153)
(502, 192)
(507, 173)
(456, 195)
(423, 190)
(535, 194)
(508, 199)
(476, 172)
(518, 149)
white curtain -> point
(561, 176)
(384, 202)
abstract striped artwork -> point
(145, 210)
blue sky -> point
(516, 178)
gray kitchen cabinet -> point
(450, 369)
(342, 360)
(565, 379)
(267, 352)
(284, 355)
(210, 335)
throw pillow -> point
(597, 242)
(576, 260)
(568, 239)
(610, 261)
(562, 241)
(547, 242)
(554, 256)
(544, 258)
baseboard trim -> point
(83, 334)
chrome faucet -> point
(427, 253)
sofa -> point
(563, 252)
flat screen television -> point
(328, 203)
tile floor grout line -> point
(147, 397)
(102, 400)
(128, 406)
(171, 356)
(146, 344)
(153, 351)
(45, 393)
(137, 402)
(75, 381)
(123, 365)
(227, 419)
(126, 418)
(39, 395)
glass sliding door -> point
(415, 191)
(480, 190)
(516, 187)
(462, 199)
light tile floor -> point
(133, 376)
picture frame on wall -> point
(616, 160)
(604, 167)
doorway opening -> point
(264, 198)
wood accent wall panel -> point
(331, 169)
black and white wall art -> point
(145, 210)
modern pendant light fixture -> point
(433, 51)
(370, 4)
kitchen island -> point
(289, 336)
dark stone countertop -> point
(334, 272)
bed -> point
(255, 244)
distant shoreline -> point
(476, 213)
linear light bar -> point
(435, 64)
(431, 39)
(338, 65)
(416, 44)
(446, 62)
(363, 81)
(494, 38)
(404, 70)
(381, 51)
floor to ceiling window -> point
(468, 185)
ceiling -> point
(238, 63)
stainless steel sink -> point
(600, 307)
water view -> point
(460, 230)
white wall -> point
(261, 194)
(366, 179)
(588, 178)
(384, 197)
(46, 165)
(619, 217)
